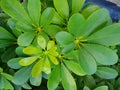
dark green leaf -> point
(6, 43)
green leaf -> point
(106, 36)
(67, 39)
(26, 86)
(50, 45)
(22, 75)
(28, 61)
(7, 76)
(16, 11)
(47, 16)
(68, 48)
(41, 42)
(62, 8)
(37, 68)
(77, 5)
(26, 39)
(86, 88)
(101, 88)
(6, 43)
(1, 70)
(36, 81)
(53, 59)
(19, 51)
(54, 78)
(8, 85)
(13, 63)
(75, 67)
(1, 82)
(75, 23)
(31, 50)
(34, 9)
(89, 10)
(95, 20)
(4, 34)
(85, 59)
(52, 30)
(68, 81)
(106, 73)
(46, 66)
(102, 54)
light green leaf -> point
(75, 23)
(7, 76)
(101, 88)
(16, 11)
(77, 5)
(22, 75)
(54, 78)
(50, 45)
(75, 68)
(1, 82)
(68, 81)
(31, 50)
(62, 8)
(4, 34)
(47, 16)
(102, 54)
(106, 73)
(26, 39)
(1, 70)
(37, 68)
(85, 59)
(53, 59)
(34, 9)
(106, 36)
(86, 88)
(47, 66)
(41, 42)
(28, 61)
(14, 63)
(36, 81)
(8, 85)
(95, 20)
(67, 39)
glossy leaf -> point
(22, 75)
(106, 73)
(36, 81)
(16, 11)
(101, 88)
(106, 36)
(62, 8)
(75, 23)
(14, 63)
(67, 39)
(28, 61)
(75, 67)
(102, 54)
(26, 39)
(37, 68)
(68, 81)
(54, 78)
(34, 9)
(77, 5)
(85, 59)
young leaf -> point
(1, 82)
(16, 11)
(106, 73)
(50, 45)
(22, 75)
(68, 81)
(54, 78)
(62, 8)
(75, 67)
(36, 81)
(13, 63)
(28, 61)
(75, 23)
(77, 5)
(47, 16)
(37, 68)
(106, 36)
(67, 39)
(85, 59)
(53, 59)
(102, 55)
(101, 88)
(34, 9)
(26, 39)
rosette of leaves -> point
(30, 22)
(5, 79)
(91, 41)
